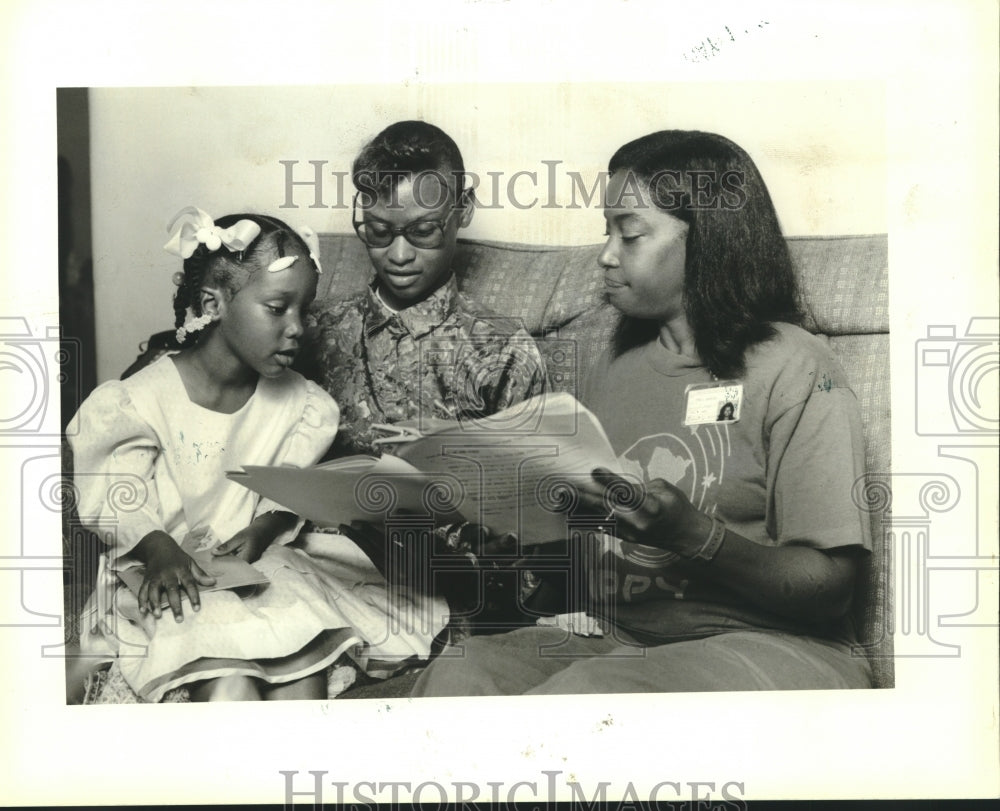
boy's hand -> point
(249, 544)
(170, 572)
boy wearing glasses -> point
(412, 346)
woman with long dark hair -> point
(732, 546)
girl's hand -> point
(249, 544)
(170, 572)
(657, 515)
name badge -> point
(719, 401)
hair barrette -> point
(312, 243)
(281, 263)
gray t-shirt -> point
(782, 473)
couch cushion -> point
(557, 292)
(346, 269)
(865, 359)
(515, 280)
(843, 280)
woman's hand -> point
(170, 572)
(657, 514)
(794, 579)
(250, 542)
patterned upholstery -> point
(557, 294)
(845, 283)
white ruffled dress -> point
(146, 458)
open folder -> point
(513, 472)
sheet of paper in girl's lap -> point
(229, 571)
(510, 472)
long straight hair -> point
(738, 276)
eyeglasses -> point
(420, 234)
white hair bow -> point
(192, 227)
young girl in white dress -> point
(150, 457)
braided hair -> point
(230, 270)
(407, 149)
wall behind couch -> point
(820, 147)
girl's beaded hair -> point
(231, 269)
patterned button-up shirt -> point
(444, 357)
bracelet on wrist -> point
(708, 550)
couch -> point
(556, 293)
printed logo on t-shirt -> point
(695, 463)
